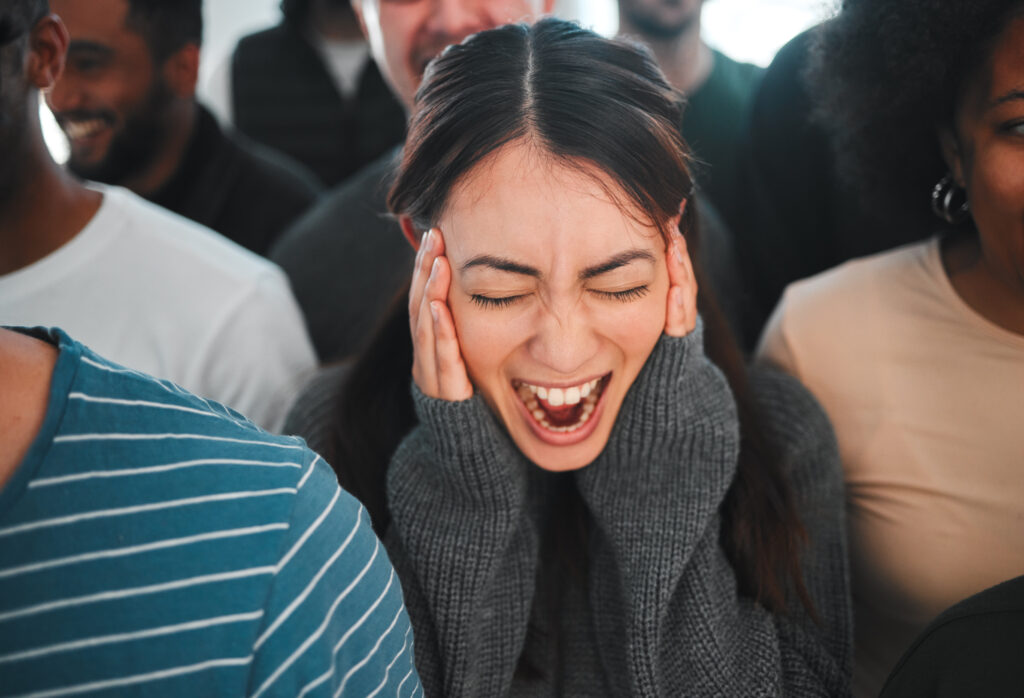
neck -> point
(44, 208)
(182, 116)
(685, 59)
(984, 288)
(331, 23)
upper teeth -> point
(80, 129)
(556, 397)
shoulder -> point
(798, 427)
(359, 202)
(852, 303)
(312, 415)
(176, 249)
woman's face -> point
(987, 155)
(558, 297)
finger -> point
(424, 368)
(452, 378)
(421, 272)
(681, 309)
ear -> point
(409, 231)
(951, 153)
(549, 6)
(181, 71)
(48, 48)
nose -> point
(457, 19)
(565, 341)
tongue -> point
(563, 416)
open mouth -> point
(562, 410)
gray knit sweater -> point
(660, 614)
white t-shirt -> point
(159, 293)
(927, 400)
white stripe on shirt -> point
(135, 591)
(141, 509)
(309, 531)
(99, 640)
(135, 549)
(148, 470)
(140, 678)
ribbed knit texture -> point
(660, 615)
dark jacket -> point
(243, 191)
(284, 96)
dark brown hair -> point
(585, 101)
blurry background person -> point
(346, 257)
(798, 216)
(309, 88)
(126, 102)
(578, 501)
(149, 289)
(718, 90)
(917, 354)
(152, 543)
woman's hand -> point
(681, 317)
(437, 365)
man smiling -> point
(127, 104)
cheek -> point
(997, 206)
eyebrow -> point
(1010, 96)
(85, 46)
(512, 267)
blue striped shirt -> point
(155, 543)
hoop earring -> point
(943, 196)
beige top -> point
(927, 400)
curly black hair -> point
(885, 75)
(166, 26)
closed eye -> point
(491, 302)
(630, 294)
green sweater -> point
(659, 614)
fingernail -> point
(430, 240)
(679, 251)
(679, 296)
(435, 266)
(433, 311)
(423, 240)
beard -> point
(651, 25)
(135, 146)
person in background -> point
(798, 216)
(309, 88)
(346, 258)
(917, 354)
(971, 649)
(577, 500)
(718, 89)
(127, 104)
(153, 543)
(147, 288)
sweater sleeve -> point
(464, 545)
(669, 618)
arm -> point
(669, 618)
(464, 545)
(334, 622)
